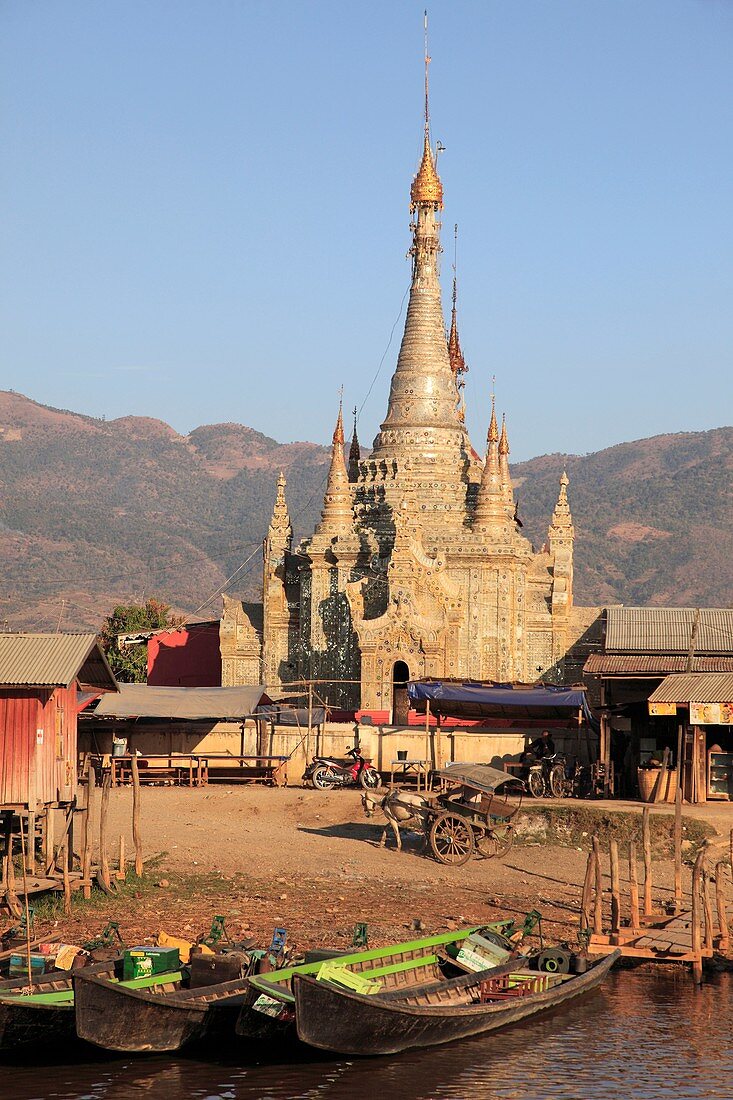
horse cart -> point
(471, 813)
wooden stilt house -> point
(45, 681)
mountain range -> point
(97, 512)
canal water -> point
(645, 1036)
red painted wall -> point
(37, 745)
(189, 657)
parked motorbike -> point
(326, 773)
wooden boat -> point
(270, 1010)
(45, 1015)
(159, 1013)
(331, 1017)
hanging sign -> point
(711, 714)
(663, 708)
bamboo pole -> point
(585, 905)
(11, 897)
(48, 852)
(26, 903)
(136, 836)
(121, 860)
(633, 887)
(678, 849)
(696, 940)
(723, 941)
(65, 871)
(646, 840)
(730, 843)
(86, 851)
(103, 856)
(615, 892)
(598, 901)
(707, 910)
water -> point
(645, 1035)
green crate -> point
(143, 962)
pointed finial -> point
(504, 438)
(427, 86)
(354, 452)
(426, 186)
(493, 434)
(338, 431)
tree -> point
(129, 661)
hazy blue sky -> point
(205, 208)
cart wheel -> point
(558, 783)
(451, 839)
(496, 842)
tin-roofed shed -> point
(45, 680)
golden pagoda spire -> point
(493, 432)
(426, 186)
(337, 515)
(490, 506)
(354, 453)
(507, 488)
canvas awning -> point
(481, 776)
(492, 700)
(186, 704)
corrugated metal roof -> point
(53, 660)
(668, 630)
(705, 687)
(144, 701)
(640, 664)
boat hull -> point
(26, 1022)
(347, 1023)
(132, 1021)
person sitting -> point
(543, 747)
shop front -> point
(702, 706)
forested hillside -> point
(93, 512)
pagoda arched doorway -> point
(400, 699)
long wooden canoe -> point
(41, 1014)
(331, 1017)
(269, 1012)
(154, 1014)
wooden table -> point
(181, 769)
(248, 769)
(418, 768)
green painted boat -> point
(269, 1012)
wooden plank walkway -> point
(668, 938)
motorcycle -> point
(546, 778)
(326, 773)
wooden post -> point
(427, 745)
(615, 893)
(48, 853)
(11, 897)
(730, 845)
(67, 880)
(633, 887)
(136, 837)
(598, 902)
(678, 848)
(723, 941)
(647, 842)
(708, 911)
(26, 903)
(30, 842)
(86, 850)
(585, 916)
(121, 863)
(696, 940)
(103, 856)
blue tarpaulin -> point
(478, 700)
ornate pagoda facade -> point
(418, 566)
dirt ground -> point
(309, 861)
